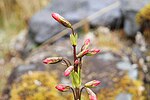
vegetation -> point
(143, 19)
(41, 86)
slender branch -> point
(73, 93)
(72, 31)
(81, 91)
(80, 64)
(68, 62)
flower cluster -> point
(74, 70)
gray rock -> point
(43, 27)
(22, 69)
(133, 74)
(124, 96)
(129, 10)
(106, 56)
(124, 65)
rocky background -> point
(123, 66)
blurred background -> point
(28, 34)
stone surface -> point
(22, 69)
(42, 26)
(124, 96)
(129, 10)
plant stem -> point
(77, 94)
(75, 58)
(81, 91)
(77, 90)
(73, 93)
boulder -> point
(129, 9)
(43, 27)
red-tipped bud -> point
(93, 83)
(82, 53)
(61, 20)
(92, 95)
(93, 52)
(68, 70)
(76, 62)
(62, 87)
(86, 44)
(52, 60)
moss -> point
(143, 15)
(36, 86)
(124, 85)
(143, 19)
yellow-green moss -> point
(143, 19)
(143, 15)
(124, 85)
(36, 86)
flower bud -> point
(92, 95)
(62, 87)
(86, 44)
(68, 70)
(61, 20)
(76, 62)
(82, 53)
(52, 60)
(92, 52)
(93, 83)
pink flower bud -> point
(52, 60)
(68, 70)
(82, 53)
(62, 87)
(93, 83)
(92, 95)
(76, 62)
(86, 44)
(61, 20)
(93, 52)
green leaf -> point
(75, 79)
(73, 39)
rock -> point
(22, 69)
(124, 96)
(21, 44)
(133, 74)
(107, 56)
(129, 10)
(43, 27)
(124, 65)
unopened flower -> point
(61, 20)
(76, 62)
(92, 95)
(68, 70)
(52, 60)
(62, 87)
(93, 83)
(82, 53)
(86, 44)
(92, 52)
